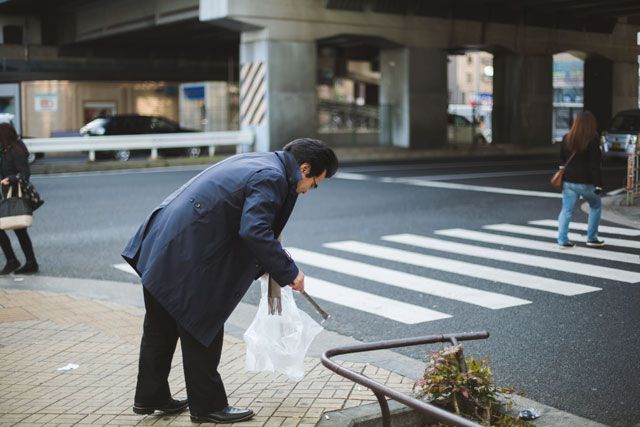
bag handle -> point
(10, 192)
(570, 158)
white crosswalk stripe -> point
(583, 227)
(536, 245)
(399, 311)
(545, 232)
(410, 313)
(464, 268)
(408, 281)
(516, 258)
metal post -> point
(631, 175)
(92, 156)
(154, 153)
(212, 150)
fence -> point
(243, 140)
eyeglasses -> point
(314, 185)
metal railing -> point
(381, 391)
(243, 140)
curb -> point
(614, 211)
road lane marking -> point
(544, 232)
(464, 268)
(478, 175)
(581, 226)
(518, 242)
(516, 258)
(466, 187)
(408, 281)
(126, 268)
(399, 311)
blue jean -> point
(571, 192)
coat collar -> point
(291, 167)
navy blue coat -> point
(200, 250)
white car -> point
(461, 130)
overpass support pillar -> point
(609, 87)
(413, 97)
(522, 99)
(277, 89)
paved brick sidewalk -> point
(41, 332)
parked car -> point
(621, 136)
(133, 124)
(461, 130)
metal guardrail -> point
(243, 140)
(381, 390)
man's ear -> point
(305, 169)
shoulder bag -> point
(15, 212)
(558, 176)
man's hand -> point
(5, 181)
(298, 282)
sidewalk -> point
(42, 332)
(614, 209)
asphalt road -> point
(574, 352)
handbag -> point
(15, 212)
(30, 194)
(558, 176)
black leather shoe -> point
(10, 266)
(173, 406)
(29, 267)
(224, 416)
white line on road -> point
(402, 280)
(465, 187)
(545, 232)
(370, 303)
(516, 258)
(518, 242)
(477, 175)
(126, 268)
(581, 226)
(464, 268)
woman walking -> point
(14, 165)
(581, 158)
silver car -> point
(622, 135)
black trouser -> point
(205, 389)
(25, 244)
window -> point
(12, 34)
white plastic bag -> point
(279, 343)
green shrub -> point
(466, 388)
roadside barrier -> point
(382, 391)
(243, 140)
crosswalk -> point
(461, 254)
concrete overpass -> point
(271, 46)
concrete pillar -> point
(609, 87)
(598, 84)
(522, 99)
(625, 85)
(277, 90)
(413, 97)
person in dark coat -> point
(582, 178)
(198, 253)
(14, 165)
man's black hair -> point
(316, 153)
